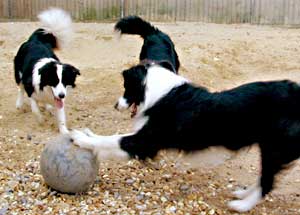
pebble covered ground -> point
(216, 56)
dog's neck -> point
(148, 63)
(159, 81)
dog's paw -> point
(239, 206)
(240, 193)
(19, 104)
(81, 139)
(63, 130)
(88, 132)
(246, 204)
(243, 193)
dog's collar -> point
(148, 62)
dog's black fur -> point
(157, 45)
(192, 118)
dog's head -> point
(134, 86)
(58, 77)
(145, 84)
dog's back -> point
(157, 45)
(256, 112)
(40, 44)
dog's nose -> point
(117, 106)
(61, 95)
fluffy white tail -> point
(57, 22)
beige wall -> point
(218, 11)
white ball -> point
(66, 167)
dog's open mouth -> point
(59, 103)
(133, 110)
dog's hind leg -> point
(20, 97)
(247, 203)
(243, 193)
(253, 195)
(276, 158)
(273, 159)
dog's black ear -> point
(48, 75)
(136, 72)
(49, 67)
(69, 75)
(71, 69)
(167, 65)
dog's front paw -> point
(19, 104)
(81, 139)
(239, 206)
(88, 132)
(63, 130)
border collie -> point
(38, 71)
(157, 45)
(174, 113)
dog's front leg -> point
(35, 109)
(61, 119)
(50, 109)
(88, 132)
(104, 147)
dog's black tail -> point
(135, 25)
(56, 28)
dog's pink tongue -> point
(59, 103)
(133, 110)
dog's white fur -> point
(159, 82)
(57, 22)
(250, 199)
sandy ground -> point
(216, 56)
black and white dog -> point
(157, 45)
(176, 114)
(38, 71)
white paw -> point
(246, 204)
(239, 205)
(243, 193)
(63, 130)
(19, 104)
(240, 193)
(20, 100)
(88, 132)
(81, 139)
